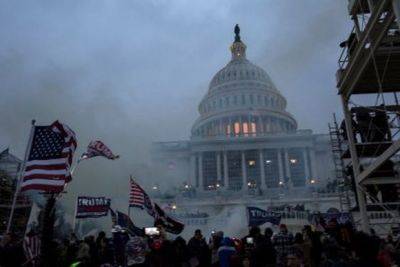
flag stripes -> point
(50, 157)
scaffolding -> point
(369, 69)
(337, 147)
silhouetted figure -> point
(364, 125)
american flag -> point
(98, 148)
(50, 157)
(138, 198)
(31, 245)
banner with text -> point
(257, 216)
(92, 207)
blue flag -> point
(123, 220)
(257, 216)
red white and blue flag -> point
(31, 246)
(50, 157)
(138, 198)
(98, 148)
(92, 207)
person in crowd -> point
(226, 253)
(161, 249)
(313, 241)
(181, 252)
(283, 243)
(215, 243)
(198, 249)
(385, 255)
(256, 246)
(366, 250)
(270, 252)
(83, 254)
(298, 247)
(11, 251)
(136, 250)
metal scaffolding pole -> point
(356, 165)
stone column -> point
(287, 167)
(244, 172)
(218, 167)
(192, 177)
(240, 126)
(262, 170)
(313, 163)
(280, 165)
(306, 169)
(231, 130)
(226, 174)
(201, 182)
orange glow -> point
(253, 127)
(237, 128)
(245, 128)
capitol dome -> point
(242, 101)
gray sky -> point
(132, 72)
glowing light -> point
(280, 182)
(186, 186)
(155, 187)
(174, 207)
(217, 185)
(293, 161)
(249, 183)
(252, 162)
(268, 161)
(312, 181)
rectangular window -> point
(271, 168)
(243, 99)
(235, 170)
(251, 99)
(235, 99)
(297, 167)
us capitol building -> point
(244, 142)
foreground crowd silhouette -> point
(335, 246)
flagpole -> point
(21, 171)
(74, 221)
(129, 205)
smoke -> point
(130, 73)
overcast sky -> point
(132, 72)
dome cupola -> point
(242, 101)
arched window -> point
(236, 128)
(245, 129)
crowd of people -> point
(336, 246)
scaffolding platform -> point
(368, 150)
(357, 7)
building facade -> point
(9, 169)
(244, 139)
